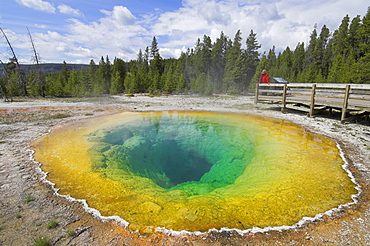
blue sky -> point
(77, 31)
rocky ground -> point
(31, 212)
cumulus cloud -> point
(278, 23)
(211, 17)
(38, 5)
(120, 33)
(68, 10)
(79, 52)
(115, 34)
(120, 15)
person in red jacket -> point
(264, 78)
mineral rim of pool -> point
(196, 171)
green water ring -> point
(177, 153)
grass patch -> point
(337, 126)
(18, 216)
(234, 93)
(59, 116)
(42, 241)
(130, 95)
(29, 199)
(1, 142)
(52, 224)
(70, 233)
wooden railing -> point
(353, 100)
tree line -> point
(222, 66)
(339, 57)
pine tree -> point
(340, 38)
(364, 33)
(33, 85)
(87, 85)
(74, 83)
(129, 81)
(319, 60)
(218, 61)
(354, 37)
(251, 58)
(118, 76)
(362, 68)
(156, 67)
(233, 57)
(284, 64)
(116, 85)
(154, 51)
(298, 61)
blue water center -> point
(175, 151)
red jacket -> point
(264, 78)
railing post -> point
(345, 103)
(312, 105)
(256, 96)
(283, 100)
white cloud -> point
(279, 23)
(113, 35)
(68, 10)
(41, 26)
(79, 52)
(198, 18)
(38, 5)
(166, 52)
(120, 16)
(120, 33)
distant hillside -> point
(50, 67)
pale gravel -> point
(18, 178)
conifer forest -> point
(225, 65)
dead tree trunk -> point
(21, 74)
(3, 91)
(39, 75)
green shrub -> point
(234, 92)
(29, 199)
(52, 224)
(42, 241)
(59, 116)
(70, 233)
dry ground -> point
(28, 205)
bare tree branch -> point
(39, 76)
(21, 74)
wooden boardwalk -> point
(352, 100)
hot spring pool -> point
(196, 170)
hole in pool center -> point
(190, 155)
(166, 163)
